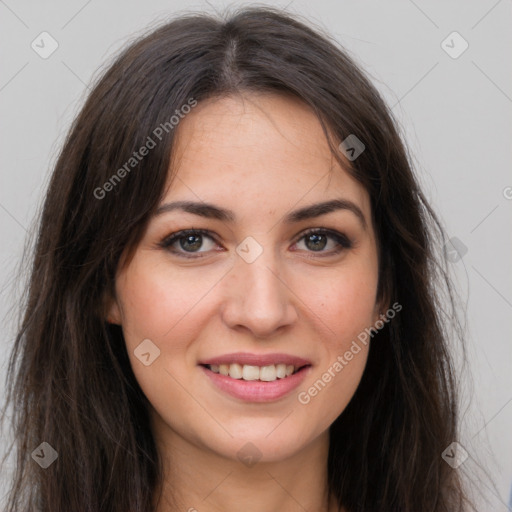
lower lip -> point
(256, 390)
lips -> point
(245, 358)
(256, 377)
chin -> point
(267, 442)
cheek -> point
(159, 300)
(345, 307)
(329, 391)
(345, 303)
(162, 305)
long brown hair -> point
(71, 384)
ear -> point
(380, 309)
(111, 309)
(114, 314)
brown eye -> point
(315, 241)
(188, 241)
(192, 242)
(318, 239)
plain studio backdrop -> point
(443, 67)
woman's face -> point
(253, 291)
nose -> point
(257, 298)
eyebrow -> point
(210, 211)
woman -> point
(234, 300)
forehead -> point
(268, 149)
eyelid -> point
(173, 237)
(344, 242)
(339, 236)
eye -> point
(188, 241)
(316, 240)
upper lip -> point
(243, 358)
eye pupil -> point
(316, 238)
(195, 240)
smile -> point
(256, 377)
(267, 373)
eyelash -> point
(341, 239)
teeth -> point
(281, 371)
(249, 372)
(235, 371)
(268, 373)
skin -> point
(260, 156)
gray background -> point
(455, 114)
